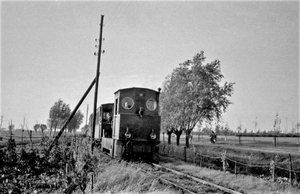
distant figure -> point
(107, 118)
(213, 137)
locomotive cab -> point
(105, 126)
(136, 123)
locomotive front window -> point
(127, 103)
(151, 104)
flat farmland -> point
(36, 137)
(285, 145)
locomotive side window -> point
(151, 104)
(127, 103)
(117, 106)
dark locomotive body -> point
(130, 128)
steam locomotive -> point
(129, 128)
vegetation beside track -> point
(34, 170)
(242, 183)
(70, 168)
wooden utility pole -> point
(87, 113)
(97, 83)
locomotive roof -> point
(135, 88)
(105, 104)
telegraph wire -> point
(111, 26)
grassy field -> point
(253, 158)
(115, 176)
(19, 136)
(284, 145)
(241, 183)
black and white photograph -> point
(150, 96)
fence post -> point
(22, 138)
(273, 167)
(195, 155)
(250, 163)
(224, 160)
(235, 169)
(30, 137)
(291, 178)
(200, 160)
(184, 154)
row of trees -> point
(192, 94)
(58, 115)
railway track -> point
(184, 182)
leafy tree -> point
(11, 127)
(255, 125)
(76, 121)
(43, 127)
(276, 125)
(58, 115)
(239, 128)
(193, 93)
(36, 127)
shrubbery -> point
(34, 170)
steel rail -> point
(169, 182)
(198, 180)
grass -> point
(120, 177)
(241, 183)
(114, 176)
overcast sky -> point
(47, 53)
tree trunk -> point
(178, 134)
(187, 137)
(169, 136)
(178, 138)
(187, 141)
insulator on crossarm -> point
(96, 39)
(96, 46)
(103, 51)
(95, 53)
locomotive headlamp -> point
(153, 135)
(127, 134)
